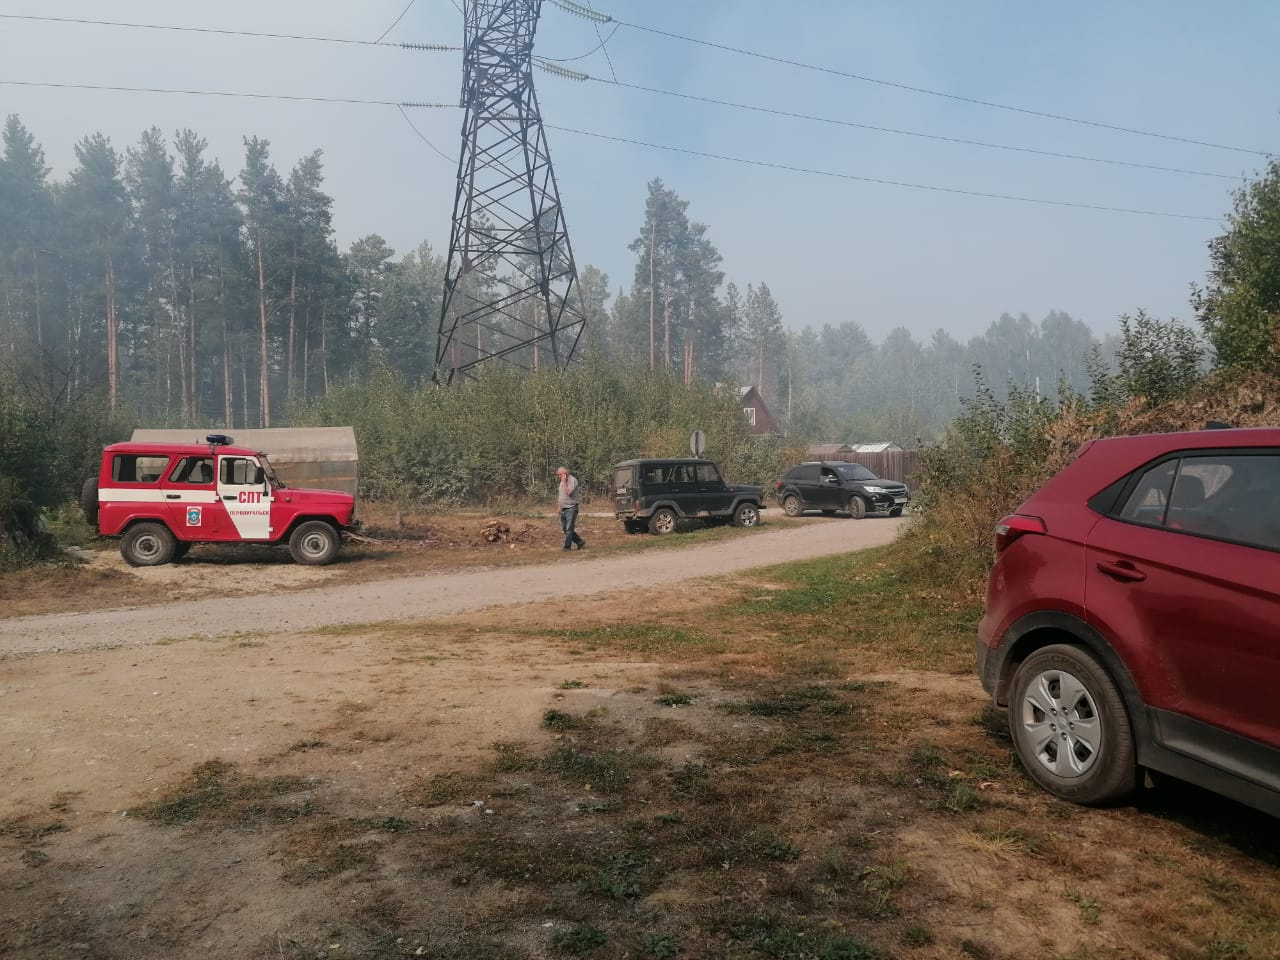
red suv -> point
(1133, 618)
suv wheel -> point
(314, 543)
(147, 545)
(895, 512)
(1070, 727)
(857, 507)
(663, 521)
(792, 506)
(747, 515)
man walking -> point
(568, 499)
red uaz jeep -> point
(160, 498)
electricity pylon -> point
(510, 285)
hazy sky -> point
(831, 249)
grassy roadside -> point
(810, 775)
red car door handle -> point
(1121, 570)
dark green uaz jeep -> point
(655, 495)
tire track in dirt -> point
(437, 595)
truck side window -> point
(238, 471)
(193, 470)
(131, 468)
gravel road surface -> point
(436, 595)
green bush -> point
(503, 435)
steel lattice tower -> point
(510, 286)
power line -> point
(583, 56)
(575, 75)
(409, 104)
(395, 22)
(882, 182)
(429, 47)
(831, 71)
(423, 137)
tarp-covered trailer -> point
(322, 458)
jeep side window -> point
(708, 475)
(682, 473)
(193, 470)
(238, 471)
(131, 468)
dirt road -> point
(425, 597)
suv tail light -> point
(777, 484)
(1014, 526)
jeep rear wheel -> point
(792, 506)
(663, 521)
(1070, 727)
(147, 545)
(314, 543)
(747, 515)
(857, 507)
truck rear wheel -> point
(314, 543)
(147, 545)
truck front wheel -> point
(147, 545)
(314, 543)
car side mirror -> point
(259, 475)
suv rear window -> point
(1217, 495)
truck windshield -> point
(270, 471)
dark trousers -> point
(568, 518)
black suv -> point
(655, 495)
(833, 485)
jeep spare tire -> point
(89, 501)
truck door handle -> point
(172, 496)
(1121, 570)
(230, 496)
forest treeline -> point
(183, 293)
(152, 288)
